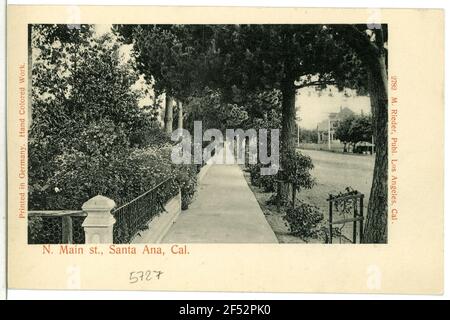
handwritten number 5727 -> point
(140, 276)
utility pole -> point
(168, 116)
(180, 115)
(373, 145)
(329, 133)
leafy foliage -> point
(361, 129)
(246, 110)
(308, 136)
(264, 108)
(254, 170)
(184, 58)
(259, 58)
(354, 129)
(343, 130)
(264, 56)
(174, 56)
(84, 140)
(297, 170)
(256, 58)
(266, 182)
(151, 135)
(210, 107)
(154, 165)
(304, 220)
(187, 182)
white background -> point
(41, 294)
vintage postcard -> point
(225, 149)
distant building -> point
(328, 126)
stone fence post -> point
(98, 225)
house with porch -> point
(327, 128)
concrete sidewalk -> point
(224, 211)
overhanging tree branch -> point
(316, 83)
(359, 41)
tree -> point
(82, 134)
(361, 129)
(282, 57)
(53, 48)
(343, 131)
(298, 172)
(168, 114)
(171, 56)
(370, 45)
(354, 129)
(308, 136)
(286, 58)
(289, 57)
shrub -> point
(94, 161)
(297, 169)
(304, 221)
(187, 181)
(275, 200)
(266, 182)
(36, 229)
(152, 136)
(82, 135)
(89, 135)
(118, 174)
(255, 173)
(153, 166)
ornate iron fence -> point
(65, 226)
(349, 203)
(134, 216)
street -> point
(333, 173)
(338, 170)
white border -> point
(251, 3)
(3, 154)
(54, 294)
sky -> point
(101, 29)
(312, 108)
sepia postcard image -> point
(251, 133)
(163, 139)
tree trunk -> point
(376, 220)
(288, 132)
(294, 193)
(373, 56)
(168, 115)
(288, 117)
(180, 115)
